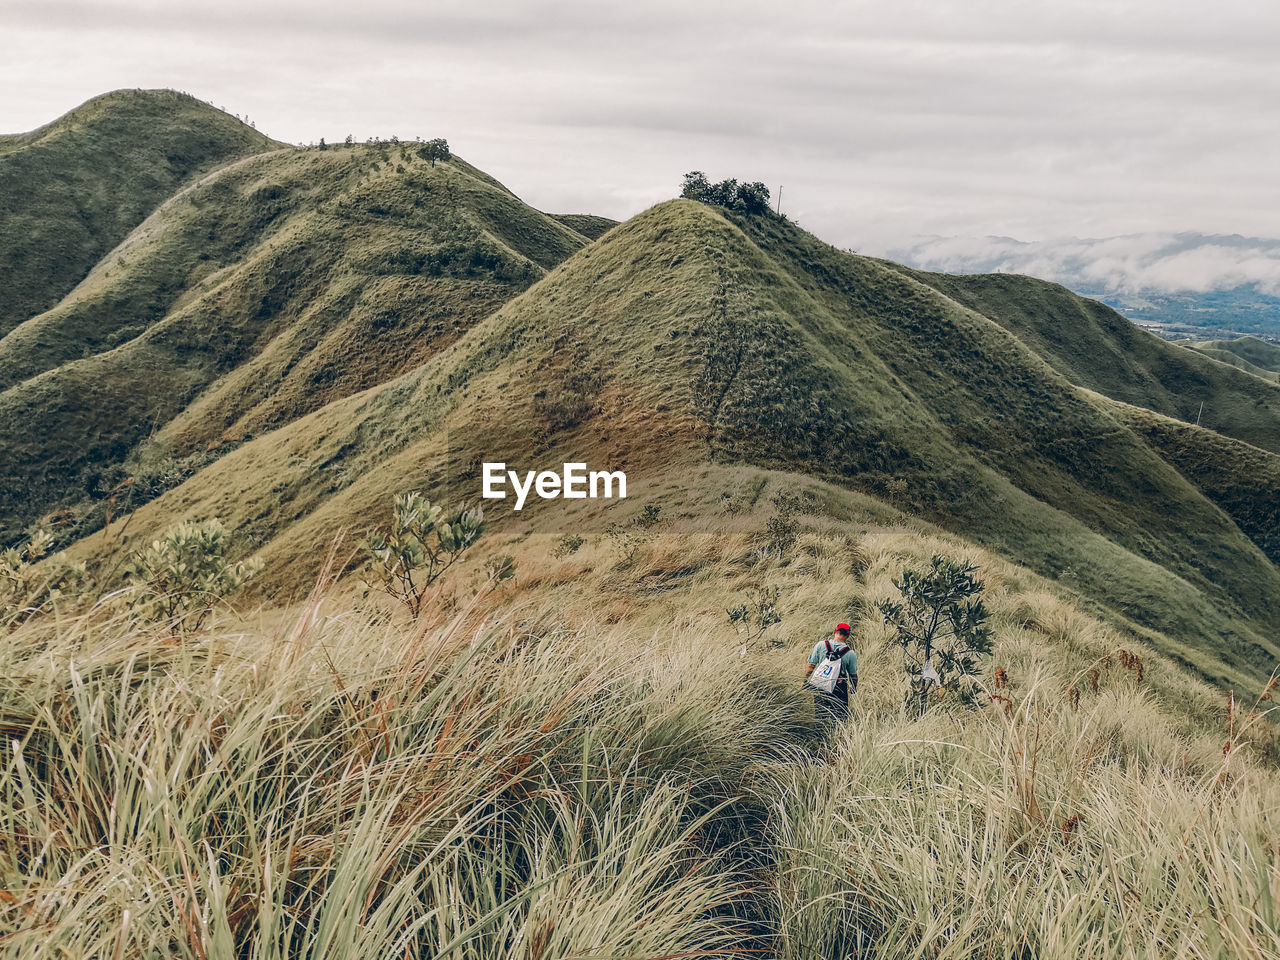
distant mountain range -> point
(285, 338)
(1178, 285)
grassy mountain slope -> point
(1095, 347)
(271, 287)
(586, 759)
(683, 334)
(1243, 480)
(587, 224)
(1226, 356)
(73, 189)
(1248, 353)
(1011, 453)
(559, 768)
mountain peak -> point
(74, 188)
(118, 112)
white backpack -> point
(826, 674)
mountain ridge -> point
(1101, 350)
(645, 289)
(1259, 357)
(73, 188)
(1175, 284)
(293, 337)
(265, 289)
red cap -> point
(842, 626)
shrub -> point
(501, 568)
(941, 625)
(424, 541)
(649, 516)
(179, 578)
(27, 589)
(756, 616)
(802, 502)
(732, 503)
(568, 544)
(780, 532)
(627, 538)
(434, 150)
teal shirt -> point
(848, 663)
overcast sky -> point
(883, 120)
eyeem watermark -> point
(573, 483)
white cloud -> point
(1141, 263)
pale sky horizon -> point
(884, 122)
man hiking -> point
(837, 677)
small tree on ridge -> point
(941, 625)
(434, 150)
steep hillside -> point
(72, 190)
(1248, 353)
(685, 334)
(267, 289)
(587, 224)
(1095, 347)
(1242, 480)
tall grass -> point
(1027, 831)
(1088, 809)
(507, 785)
(352, 791)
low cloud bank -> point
(1139, 263)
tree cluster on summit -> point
(743, 197)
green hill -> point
(1095, 347)
(1243, 480)
(694, 335)
(267, 289)
(1258, 357)
(291, 338)
(73, 189)
(587, 224)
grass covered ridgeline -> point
(582, 762)
(1259, 357)
(1096, 348)
(624, 354)
(74, 188)
(254, 296)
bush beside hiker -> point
(836, 654)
